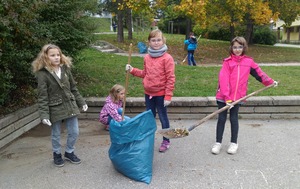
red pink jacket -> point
(234, 75)
(158, 75)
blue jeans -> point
(73, 132)
(191, 60)
(120, 112)
(234, 122)
(157, 103)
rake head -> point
(174, 133)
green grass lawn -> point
(210, 51)
(97, 72)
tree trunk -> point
(188, 28)
(249, 31)
(232, 35)
(120, 35)
(129, 23)
(231, 28)
(278, 34)
(288, 29)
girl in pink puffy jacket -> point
(233, 84)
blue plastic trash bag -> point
(142, 47)
(132, 146)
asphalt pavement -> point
(268, 157)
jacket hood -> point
(193, 40)
(108, 99)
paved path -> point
(287, 45)
(268, 158)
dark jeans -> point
(234, 113)
(191, 60)
(157, 103)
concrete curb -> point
(258, 107)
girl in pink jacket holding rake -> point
(233, 84)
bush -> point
(219, 34)
(26, 26)
(264, 35)
(6, 85)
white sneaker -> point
(232, 148)
(216, 148)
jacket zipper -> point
(237, 81)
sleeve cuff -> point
(168, 98)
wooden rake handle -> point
(126, 81)
(226, 107)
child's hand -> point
(166, 103)
(228, 103)
(275, 83)
(46, 122)
(128, 67)
(85, 107)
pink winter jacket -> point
(110, 108)
(158, 75)
(234, 75)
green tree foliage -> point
(28, 25)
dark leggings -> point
(234, 121)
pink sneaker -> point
(164, 146)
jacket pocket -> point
(55, 100)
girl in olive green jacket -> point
(59, 99)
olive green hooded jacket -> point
(58, 99)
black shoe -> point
(58, 160)
(72, 158)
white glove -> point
(166, 103)
(85, 107)
(46, 122)
(128, 67)
(228, 103)
(275, 83)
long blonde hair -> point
(114, 92)
(42, 59)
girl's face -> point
(121, 94)
(54, 57)
(237, 49)
(156, 42)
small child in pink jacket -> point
(112, 108)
